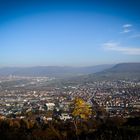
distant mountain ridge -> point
(119, 71)
(125, 67)
(55, 71)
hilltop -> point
(119, 71)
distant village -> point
(115, 98)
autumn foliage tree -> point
(81, 111)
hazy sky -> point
(69, 33)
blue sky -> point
(69, 33)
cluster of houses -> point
(120, 98)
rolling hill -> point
(125, 67)
(119, 71)
(53, 71)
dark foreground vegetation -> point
(93, 129)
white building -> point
(65, 116)
(50, 106)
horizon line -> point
(66, 65)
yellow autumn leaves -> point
(81, 109)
